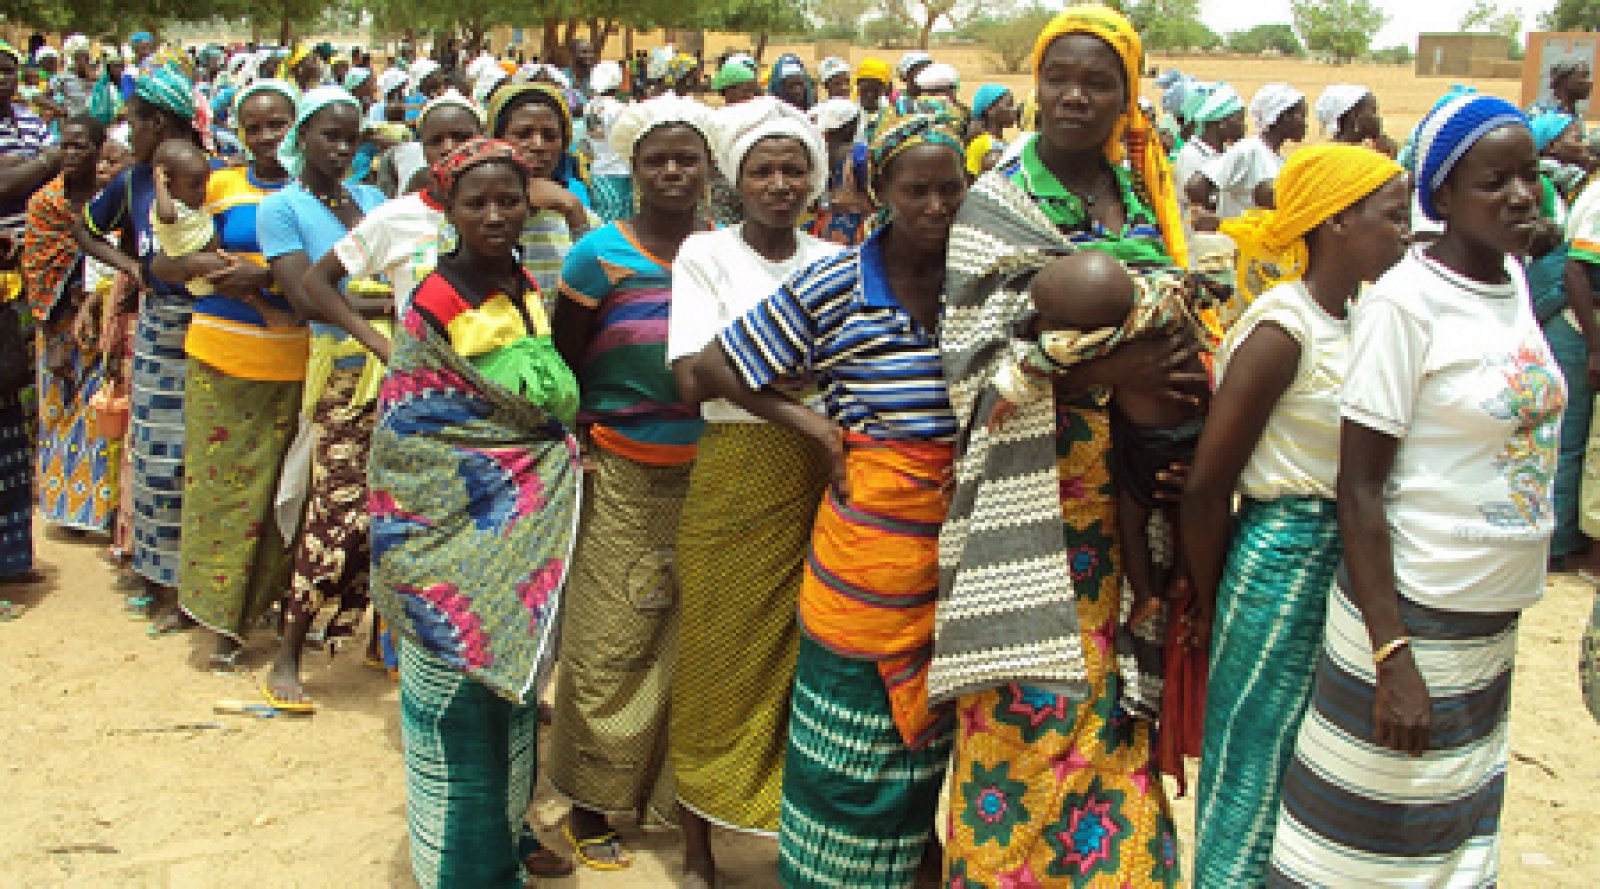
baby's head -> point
(187, 169)
(1084, 290)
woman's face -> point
(1362, 122)
(1082, 92)
(838, 86)
(1491, 198)
(330, 137)
(112, 161)
(9, 70)
(487, 208)
(871, 92)
(145, 130)
(264, 118)
(670, 166)
(1003, 113)
(1231, 128)
(740, 92)
(535, 128)
(1569, 147)
(1577, 86)
(1378, 229)
(774, 181)
(79, 155)
(445, 128)
(923, 187)
(1291, 124)
(793, 90)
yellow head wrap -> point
(1132, 137)
(1316, 183)
(300, 52)
(874, 69)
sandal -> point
(305, 706)
(619, 859)
(138, 607)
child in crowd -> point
(177, 215)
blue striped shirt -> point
(878, 370)
(24, 135)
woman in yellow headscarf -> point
(1052, 781)
(1273, 435)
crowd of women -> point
(691, 420)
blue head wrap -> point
(986, 96)
(290, 152)
(1449, 132)
(168, 90)
(1408, 151)
(141, 37)
(1547, 126)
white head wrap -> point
(1337, 99)
(485, 83)
(911, 60)
(480, 66)
(420, 69)
(1269, 103)
(74, 44)
(390, 80)
(938, 76)
(1222, 102)
(639, 118)
(45, 52)
(739, 127)
(122, 134)
(831, 67)
(451, 97)
(605, 77)
(831, 114)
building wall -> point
(1453, 55)
(1547, 48)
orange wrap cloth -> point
(872, 571)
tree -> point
(922, 16)
(1392, 55)
(841, 19)
(1279, 38)
(1010, 39)
(1572, 15)
(886, 32)
(1169, 24)
(1485, 15)
(1342, 29)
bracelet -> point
(1388, 649)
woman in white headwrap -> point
(752, 496)
(1348, 113)
(1217, 115)
(844, 210)
(610, 181)
(1241, 177)
(834, 75)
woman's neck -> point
(1273, 140)
(319, 182)
(1332, 285)
(1470, 261)
(916, 276)
(1079, 171)
(774, 243)
(489, 271)
(666, 224)
(268, 170)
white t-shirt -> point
(398, 240)
(1191, 157)
(1459, 371)
(1237, 171)
(716, 279)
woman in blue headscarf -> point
(789, 81)
(994, 110)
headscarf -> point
(911, 60)
(1174, 94)
(166, 89)
(938, 76)
(122, 134)
(897, 134)
(874, 69)
(732, 73)
(45, 52)
(641, 118)
(74, 44)
(605, 77)
(659, 62)
(739, 127)
(290, 152)
(831, 114)
(1335, 101)
(517, 94)
(419, 71)
(1317, 182)
(1195, 94)
(295, 58)
(484, 84)
(1566, 68)
(1270, 101)
(1548, 126)
(141, 37)
(450, 98)
(1449, 132)
(788, 65)
(986, 96)
(832, 67)
(255, 87)
(355, 77)
(1408, 151)
(475, 151)
(390, 80)
(1143, 150)
(1221, 102)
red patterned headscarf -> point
(480, 150)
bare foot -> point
(283, 680)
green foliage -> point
(1010, 39)
(1170, 24)
(841, 19)
(1261, 38)
(1572, 15)
(887, 32)
(1342, 29)
(1392, 55)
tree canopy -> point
(1342, 29)
(1572, 15)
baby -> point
(177, 216)
(1088, 303)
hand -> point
(51, 156)
(158, 177)
(239, 277)
(830, 438)
(1170, 482)
(1402, 712)
(543, 194)
(1161, 366)
(1003, 411)
(1194, 625)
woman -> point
(1564, 161)
(994, 110)
(620, 626)
(472, 525)
(1571, 82)
(752, 494)
(1447, 450)
(845, 209)
(787, 79)
(77, 478)
(1349, 115)
(295, 227)
(1240, 178)
(247, 354)
(608, 173)
(1272, 435)
(866, 755)
(1052, 776)
(162, 108)
(1217, 117)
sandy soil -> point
(115, 772)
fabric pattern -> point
(619, 639)
(48, 249)
(741, 544)
(234, 563)
(1358, 814)
(156, 436)
(1271, 606)
(16, 487)
(77, 478)
(333, 556)
(857, 803)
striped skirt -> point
(1357, 814)
(858, 804)
(156, 434)
(470, 757)
(1271, 605)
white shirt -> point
(1237, 171)
(1459, 371)
(716, 278)
(399, 240)
(1298, 452)
(1191, 157)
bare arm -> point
(1581, 298)
(571, 329)
(319, 287)
(289, 270)
(103, 251)
(1201, 191)
(18, 180)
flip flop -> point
(622, 862)
(284, 705)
